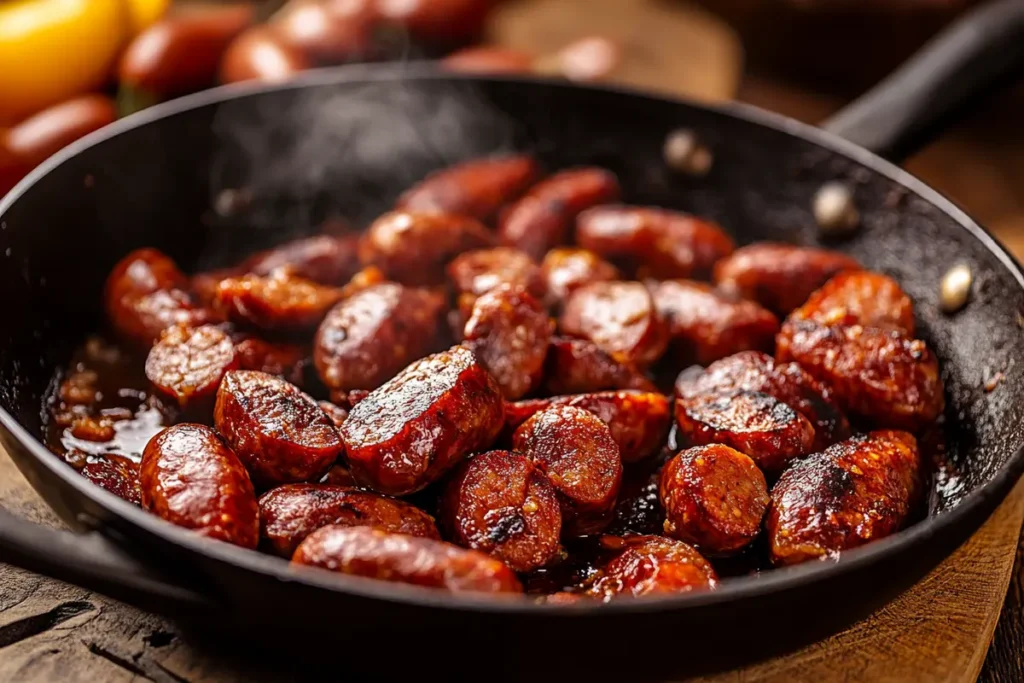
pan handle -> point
(92, 561)
(980, 53)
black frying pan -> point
(347, 141)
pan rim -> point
(975, 508)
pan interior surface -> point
(209, 183)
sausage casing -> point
(477, 188)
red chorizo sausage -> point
(566, 269)
(324, 259)
(860, 298)
(416, 426)
(116, 474)
(477, 188)
(274, 358)
(378, 554)
(188, 364)
(620, 318)
(190, 478)
(578, 366)
(652, 565)
(502, 504)
(279, 302)
(290, 513)
(478, 272)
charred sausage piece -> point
(323, 259)
(116, 474)
(879, 375)
(364, 279)
(188, 364)
(378, 554)
(145, 294)
(279, 433)
(575, 449)
(274, 358)
(190, 478)
(413, 248)
(337, 414)
(477, 188)
(714, 498)
(502, 504)
(639, 420)
(787, 382)
(578, 366)
(620, 317)
(366, 339)
(478, 272)
(509, 332)
(766, 429)
(657, 243)
(780, 277)
(853, 493)
(415, 427)
(650, 565)
(566, 269)
(543, 218)
(860, 298)
(705, 325)
(290, 513)
(280, 302)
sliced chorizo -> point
(714, 498)
(190, 478)
(367, 338)
(579, 366)
(478, 272)
(274, 358)
(543, 218)
(336, 413)
(407, 433)
(413, 248)
(860, 298)
(477, 188)
(509, 330)
(638, 420)
(705, 325)
(651, 565)
(279, 302)
(654, 242)
(290, 513)
(855, 492)
(378, 554)
(575, 449)
(145, 294)
(752, 422)
(324, 259)
(502, 504)
(780, 277)
(787, 382)
(116, 474)
(187, 364)
(620, 318)
(879, 375)
(566, 269)
(279, 433)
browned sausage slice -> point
(419, 424)
(657, 243)
(578, 366)
(280, 433)
(337, 414)
(620, 318)
(714, 498)
(190, 478)
(576, 451)
(855, 492)
(500, 503)
(650, 565)
(860, 298)
(279, 302)
(116, 474)
(188, 364)
(290, 513)
(638, 420)
(367, 338)
(414, 247)
(377, 554)
(509, 330)
(274, 358)
(543, 218)
(478, 272)
(325, 259)
(705, 325)
(566, 269)
(780, 277)
(477, 188)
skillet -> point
(347, 141)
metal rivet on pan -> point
(834, 209)
(955, 288)
(685, 153)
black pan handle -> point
(980, 53)
(95, 562)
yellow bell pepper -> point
(144, 13)
(52, 50)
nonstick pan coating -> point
(348, 141)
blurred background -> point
(68, 67)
